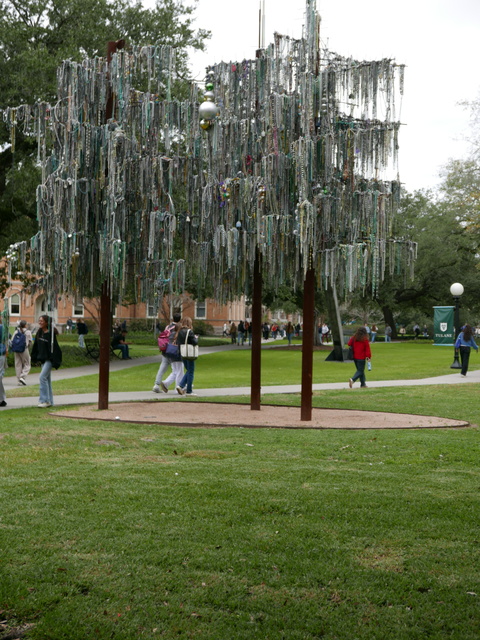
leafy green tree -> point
(447, 253)
(35, 36)
(460, 191)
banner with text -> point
(443, 327)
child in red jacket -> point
(361, 351)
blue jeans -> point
(46, 393)
(465, 357)
(164, 364)
(124, 349)
(388, 338)
(189, 373)
(360, 372)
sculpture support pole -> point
(104, 359)
(307, 343)
(105, 300)
(256, 361)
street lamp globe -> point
(456, 289)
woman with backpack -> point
(465, 342)
(171, 359)
(21, 341)
(46, 351)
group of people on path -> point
(20, 345)
(45, 350)
(177, 333)
(239, 334)
(361, 352)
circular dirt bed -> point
(186, 413)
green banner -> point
(443, 327)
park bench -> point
(92, 347)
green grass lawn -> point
(124, 531)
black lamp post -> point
(456, 290)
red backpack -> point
(164, 339)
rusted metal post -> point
(105, 300)
(256, 361)
(307, 344)
(104, 358)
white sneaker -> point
(350, 383)
(164, 387)
(156, 388)
(44, 405)
(180, 391)
(190, 395)
(22, 381)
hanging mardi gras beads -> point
(287, 155)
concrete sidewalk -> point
(91, 398)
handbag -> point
(172, 351)
(188, 351)
(350, 353)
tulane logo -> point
(443, 326)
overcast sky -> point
(436, 39)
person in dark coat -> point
(186, 333)
(46, 350)
(82, 331)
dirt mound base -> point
(201, 414)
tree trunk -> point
(335, 323)
(389, 319)
(316, 336)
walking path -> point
(125, 396)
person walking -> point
(241, 333)
(249, 333)
(465, 342)
(388, 333)
(324, 331)
(82, 331)
(373, 333)
(266, 330)
(3, 359)
(361, 352)
(186, 335)
(233, 333)
(169, 361)
(46, 351)
(21, 341)
(290, 331)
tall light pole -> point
(456, 290)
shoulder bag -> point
(188, 351)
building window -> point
(15, 305)
(78, 310)
(151, 311)
(201, 309)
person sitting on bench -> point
(118, 342)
